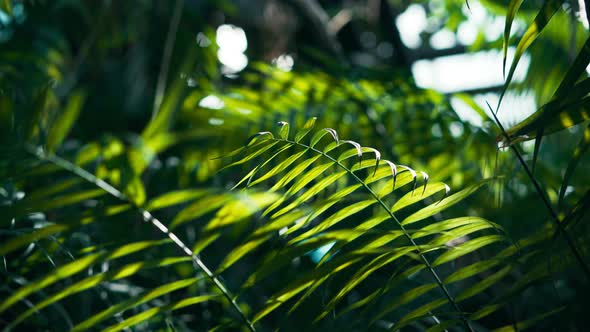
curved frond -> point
(342, 205)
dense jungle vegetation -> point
(280, 165)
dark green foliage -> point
(329, 197)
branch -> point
(320, 22)
(339, 21)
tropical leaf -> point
(549, 8)
(354, 230)
(513, 7)
(568, 106)
(68, 195)
(64, 121)
(93, 281)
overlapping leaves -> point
(342, 200)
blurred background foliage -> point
(148, 95)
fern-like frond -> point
(348, 206)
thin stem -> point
(166, 56)
(425, 260)
(540, 193)
(147, 217)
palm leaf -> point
(337, 176)
(568, 106)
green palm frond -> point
(365, 212)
